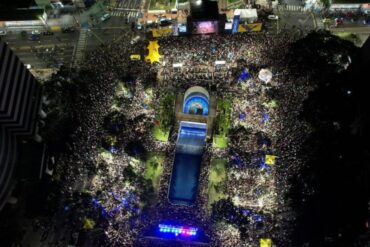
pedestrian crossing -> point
(130, 16)
(81, 45)
(291, 8)
(124, 13)
(129, 9)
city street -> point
(59, 49)
(49, 52)
(296, 19)
(222, 128)
(112, 30)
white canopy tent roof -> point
(246, 14)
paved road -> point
(112, 30)
(296, 19)
(293, 2)
(362, 32)
(60, 48)
(356, 30)
(50, 52)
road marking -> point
(133, 10)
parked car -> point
(34, 37)
(35, 32)
(165, 22)
(47, 33)
(326, 20)
(105, 17)
(57, 5)
(68, 29)
(349, 14)
(2, 32)
(273, 17)
(338, 21)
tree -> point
(321, 53)
(333, 180)
(325, 3)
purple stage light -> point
(178, 230)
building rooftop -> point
(21, 14)
(350, 1)
(204, 9)
(16, 4)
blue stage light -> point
(257, 218)
(178, 230)
(244, 75)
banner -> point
(265, 242)
(236, 23)
(161, 32)
(253, 27)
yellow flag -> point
(265, 242)
(270, 159)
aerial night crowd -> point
(114, 110)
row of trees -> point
(332, 190)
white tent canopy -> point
(246, 14)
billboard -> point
(228, 25)
(204, 27)
(161, 32)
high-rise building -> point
(20, 105)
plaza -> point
(210, 132)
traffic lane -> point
(41, 48)
(298, 19)
(99, 36)
(116, 25)
(108, 35)
(35, 56)
(39, 57)
(27, 47)
(363, 29)
(47, 63)
(58, 38)
(109, 30)
(46, 57)
(115, 22)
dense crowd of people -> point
(109, 84)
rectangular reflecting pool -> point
(186, 166)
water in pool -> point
(186, 167)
